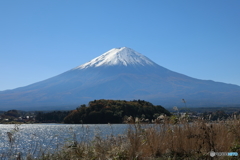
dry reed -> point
(184, 140)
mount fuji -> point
(120, 73)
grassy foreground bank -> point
(185, 140)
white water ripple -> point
(35, 139)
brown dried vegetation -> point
(160, 141)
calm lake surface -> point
(36, 138)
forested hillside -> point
(114, 111)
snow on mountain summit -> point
(118, 56)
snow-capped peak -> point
(118, 56)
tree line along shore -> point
(120, 111)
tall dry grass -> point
(184, 140)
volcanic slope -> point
(120, 73)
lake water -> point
(37, 138)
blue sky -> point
(40, 39)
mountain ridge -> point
(108, 77)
